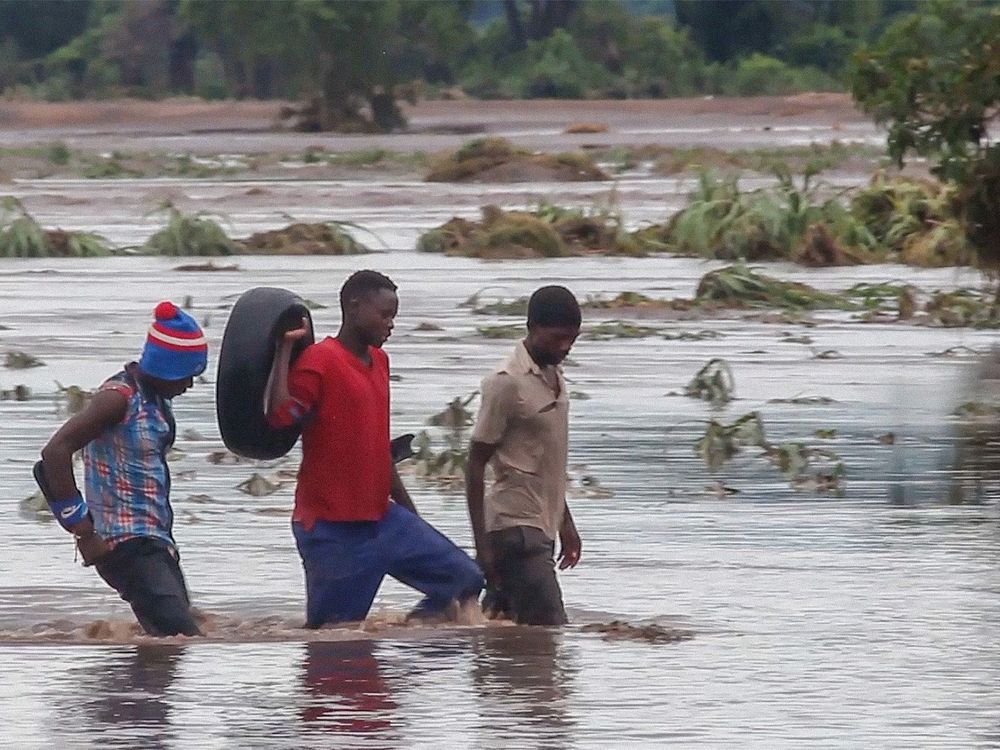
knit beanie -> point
(175, 348)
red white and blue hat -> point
(176, 348)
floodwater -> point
(863, 620)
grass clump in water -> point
(787, 222)
(739, 286)
(714, 382)
(500, 234)
(914, 220)
(22, 237)
(322, 238)
(549, 232)
(189, 234)
(496, 159)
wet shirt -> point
(126, 477)
(346, 472)
(525, 413)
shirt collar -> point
(520, 362)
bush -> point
(189, 235)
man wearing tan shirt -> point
(522, 431)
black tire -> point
(257, 319)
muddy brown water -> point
(818, 621)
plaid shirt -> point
(125, 469)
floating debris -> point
(619, 329)
(740, 286)
(501, 332)
(803, 400)
(258, 486)
(17, 393)
(421, 327)
(714, 382)
(16, 360)
(497, 160)
(619, 630)
(226, 458)
(209, 266)
(74, 399)
(192, 434)
(322, 238)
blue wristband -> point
(70, 512)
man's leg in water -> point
(425, 559)
(147, 574)
(527, 572)
(344, 566)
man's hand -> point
(570, 546)
(91, 545)
(290, 337)
(487, 563)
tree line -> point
(351, 62)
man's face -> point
(549, 345)
(373, 315)
(171, 388)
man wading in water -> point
(522, 428)
(124, 527)
(348, 533)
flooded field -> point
(865, 619)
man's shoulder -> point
(500, 384)
(322, 351)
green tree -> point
(933, 79)
(345, 59)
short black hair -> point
(553, 306)
(360, 283)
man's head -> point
(175, 351)
(368, 303)
(553, 324)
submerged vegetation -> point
(497, 160)
(805, 467)
(22, 237)
(902, 220)
(547, 232)
(187, 234)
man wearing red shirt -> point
(348, 533)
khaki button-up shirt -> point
(528, 421)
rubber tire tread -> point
(259, 316)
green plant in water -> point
(714, 382)
(16, 360)
(806, 468)
(447, 465)
(739, 286)
(619, 329)
(72, 398)
(721, 441)
(189, 235)
(501, 332)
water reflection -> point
(126, 698)
(348, 692)
(523, 678)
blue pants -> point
(345, 563)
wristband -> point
(70, 512)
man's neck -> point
(353, 343)
(527, 348)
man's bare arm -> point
(475, 470)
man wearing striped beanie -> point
(124, 527)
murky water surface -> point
(819, 621)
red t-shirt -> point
(346, 472)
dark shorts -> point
(528, 591)
(146, 572)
